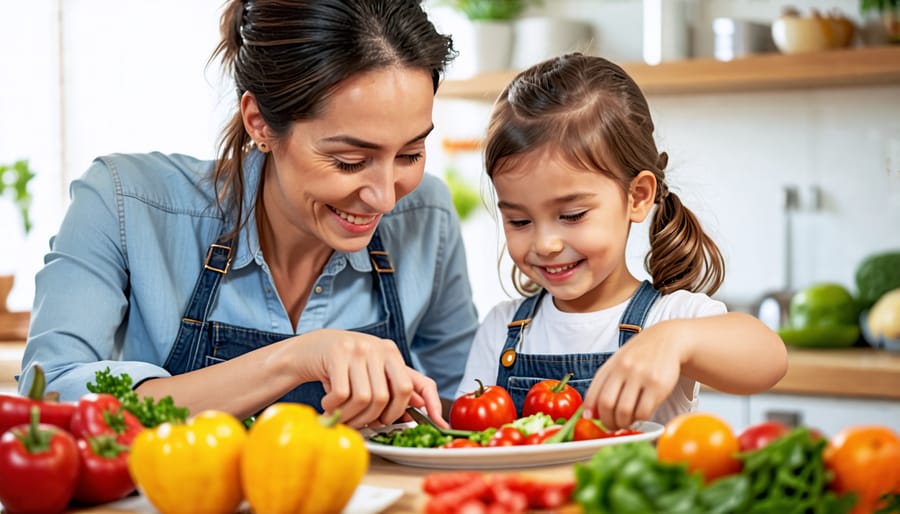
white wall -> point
(134, 79)
(730, 157)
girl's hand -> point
(365, 377)
(637, 378)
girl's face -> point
(333, 178)
(566, 229)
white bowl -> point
(795, 35)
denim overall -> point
(519, 371)
(201, 342)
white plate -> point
(505, 456)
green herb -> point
(419, 436)
(149, 413)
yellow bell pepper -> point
(192, 467)
(296, 461)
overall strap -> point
(384, 276)
(523, 316)
(635, 314)
(215, 266)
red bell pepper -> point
(38, 466)
(102, 414)
(15, 409)
(103, 474)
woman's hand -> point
(637, 378)
(365, 377)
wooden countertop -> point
(857, 372)
(381, 473)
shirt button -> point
(318, 289)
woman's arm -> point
(367, 379)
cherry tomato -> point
(865, 460)
(486, 407)
(461, 443)
(543, 435)
(587, 429)
(555, 398)
(760, 435)
(507, 436)
(702, 441)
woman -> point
(313, 261)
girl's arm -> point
(733, 353)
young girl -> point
(571, 155)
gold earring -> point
(264, 147)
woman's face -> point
(333, 178)
(566, 228)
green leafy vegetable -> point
(533, 424)
(149, 412)
(419, 436)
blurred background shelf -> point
(833, 68)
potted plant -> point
(14, 179)
(888, 12)
(491, 31)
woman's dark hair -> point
(292, 54)
(596, 117)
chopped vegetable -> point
(149, 412)
(419, 436)
(533, 424)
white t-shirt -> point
(552, 331)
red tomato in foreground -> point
(555, 398)
(760, 435)
(486, 407)
(703, 441)
(865, 460)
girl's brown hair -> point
(292, 54)
(594, 115)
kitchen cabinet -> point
(825, 389)
(834, 68)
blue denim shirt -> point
(122, 267)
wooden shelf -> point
(833, 68)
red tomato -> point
(486, 407)
(555, 398)
(865, 460)
(760, 435)
(103, 473)
(702, 441)
(507, 436)
(543, 435)
(39, 466)
(586, 429)
(102, 414)
(461, 443)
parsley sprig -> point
(150, 413)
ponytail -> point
(681, 255)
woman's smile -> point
(356, 223)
